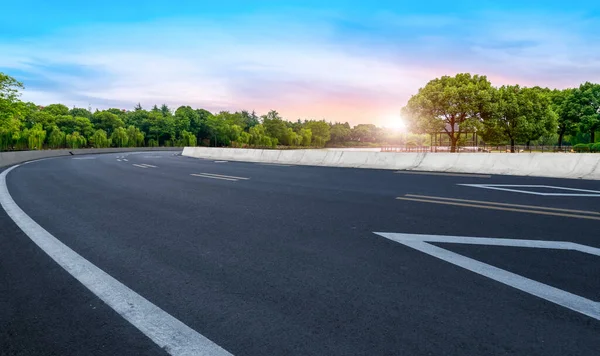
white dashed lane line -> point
(219, 176)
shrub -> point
(595, 147)
(581, 147)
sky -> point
(346, 61)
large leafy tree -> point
(522, 114)
(585, 102)
(567, 113)
(340, 132)
(107, 121)
(452, 105)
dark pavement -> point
(286, 262)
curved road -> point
(284, 260)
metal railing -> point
(481, 148)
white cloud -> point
(302, 70)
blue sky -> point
(356, 61)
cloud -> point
(302, 69)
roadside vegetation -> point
(452, 106)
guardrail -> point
(482, 148)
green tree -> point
(321, 133)
(306, 135)
(450, 104)
(75, 140)
(523, 114)
(585, 103)
(99, 139)
(36, 137)
(56, 139)
(106, 121)
(119, 137)
(70, 124)
(188, 139)
(11, 110)
(80, 112)
(56, 109)
(567, 113)
(340, 132)
(135, 137)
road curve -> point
(284, 260)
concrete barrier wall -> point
(10, 158)
(558, 165)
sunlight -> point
(395, 123)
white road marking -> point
(126, 160)
(509, 188)
(213, 177)
(220, 175)
(118, 160)
(544, 291)
(84, 158)
(504, 204)
(169, 333)
(137, 165)
(221, 161)
(147, 165)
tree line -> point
(25, 125)
(509, 114)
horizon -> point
(344, 62)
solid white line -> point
(503, 204)
(556, 245)
(138, 165)
(220, 175)
(147, 165)
(221, 161)
(549, 293)
(213, 177)
(172, 335)
(501, 188)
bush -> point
(581, 147)
(595, 147)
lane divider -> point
(530, 209)
(166, 331)
(219, 176)
(139, 165)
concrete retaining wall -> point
(558, 165)
(10, 158)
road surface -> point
(259, 259)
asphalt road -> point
(286, 261)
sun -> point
(395, 123)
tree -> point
(36, 137)
(80, 112)
(57, 109)
(135, 137)
(75, 140)
(119, 137)
(306, 135)
(188, 139)
(567, 114)
(56, 139)
(70, 124)
(107, 121)
(523, 114)
(450, 104)
(340, 132)
(11, 110)
(320, 130)
(99, 139)
(586, 101)
(275, 126)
